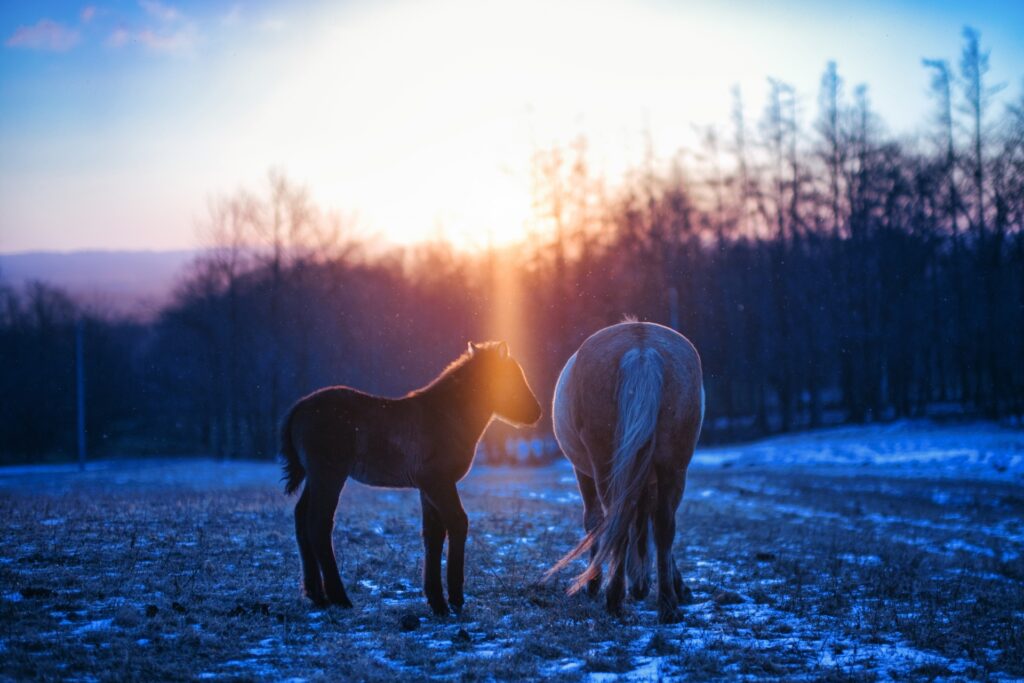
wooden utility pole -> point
(673, 308)
(80, 388)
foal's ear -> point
(503, 350)
(470, 348)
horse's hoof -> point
(641, 591)
(594, 588)
(614, 608)
(456, 608)
(669, 615)
(616, 612)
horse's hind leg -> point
(683, 594)
(593, 514)
(639, 567)
(615, 593)
(311, 581)
(670, 492)
(323, 501)
(615, 588)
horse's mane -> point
(457, 364)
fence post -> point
(673, 308)
(80, 388)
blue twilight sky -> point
(119, 120)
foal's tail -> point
(640, 382)
(294, 472)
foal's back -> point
(369, 437)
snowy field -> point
(888, 553)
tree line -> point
(828, 271)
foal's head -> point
(505, 384)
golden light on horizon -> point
(422, 120)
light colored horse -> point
(627, 413)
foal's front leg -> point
(445, 500)
(433, 546)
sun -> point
(423, 119)
(447, 190)
(399, 127)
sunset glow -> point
(418, 119)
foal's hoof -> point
(318, 598)
(342, 601)
(439, 608)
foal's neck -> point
(462, 402)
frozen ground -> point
(920, 449)
(868, 553)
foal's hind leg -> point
(592, 516)
(311, 581)
(670, 492)
(323, 502)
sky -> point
(120, 121)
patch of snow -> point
(863, 560)
(97, 625)
(921, 448)
(648, 670)
(568, 665)
(966, 547)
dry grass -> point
(826, 574)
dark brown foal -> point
(425, 440)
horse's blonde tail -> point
(639, 398)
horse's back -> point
(586, 405)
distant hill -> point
(125, 281)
